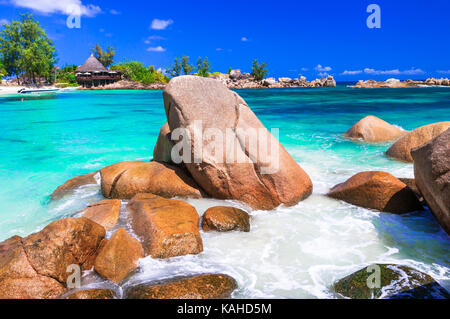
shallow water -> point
(295, 252)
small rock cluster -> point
(395, 83)
(236, 80)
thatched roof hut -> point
(92, 65)
(93, 73)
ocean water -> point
(291, 252)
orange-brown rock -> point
(62, 243)
(401, 150)
(163, 147)
(222, 219)
(157, 178)
(231, 167)
(374, 129)
(119, 257)
(93, 294)
(211, 286)
(105, 213)
(18, 278)
(72, 184)
(432, 173)
(89, 263)
(168, 227)
(377, 190)
(110, 174)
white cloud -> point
(158, 24)
(393, 72)
(4, 21)
(244, 39)
(324, 74)
(444, 71)
(321, 68)
(114, 12)
(351, 72)
(152, 38)
(219, 49)
(371, 71)
(66, 7)
(156, 49)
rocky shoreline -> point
(234, 80)
(395, 83)
(41, 264)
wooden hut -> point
(93, 73)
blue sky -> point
(311, 38)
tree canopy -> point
(203, 67)
(259, 71)
(105, 57)
(25, 49)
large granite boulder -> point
(377, 190)
(68, 241)
(235, 74)
(18, 278)
(119, 257)
(432, 174)
(126, 179)
(227, 150)
(163, 147)
(168, 227)
(210, 286)
(70, 185)
(223, 219)
(105, 212)
(395, 282)
(401, 150)
(374, 129)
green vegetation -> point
(203, 67)
(175, 69)
(136, 71)
(187, 68)
(229, 70)
(105, 57)
(259, 71)
(66, 75)
(26, 51)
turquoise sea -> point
(295, 252)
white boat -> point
(31, 91)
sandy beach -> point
(8, 90)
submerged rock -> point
(401, 150)
(395, 282)
(72, 184)
(93, 294)
(105, 213)
(432, 174)
(125, 180)
(119, 257)
(68, 241)
(377, 190)
(211, 286)
(168, 227)
(18, 278)
(374, 129)
(223, 219)
(263, 177)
